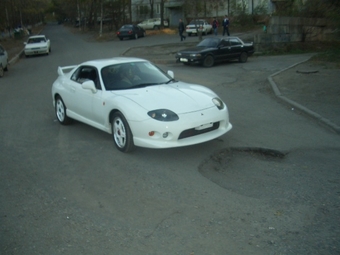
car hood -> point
(35, 45)
(179, 97)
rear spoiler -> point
(61, 69)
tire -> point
(6, 68)
(136, 36)
(243, 57)
(189, 34)
(156, 28)
(60, 112)
(1, 71)
(122, 136)
(208, 61)
(50, 50)
(121, 38)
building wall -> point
(288, 30)
(173, 9)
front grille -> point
(192, 132)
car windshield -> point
(126, 27)
(133, 75)
(209, 42)
(36, 40)
(197, 22)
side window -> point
(224, 43)
(85, 73)
(234, 42)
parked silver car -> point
(3, 61)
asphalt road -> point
(269, 186)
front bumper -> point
(36, 51)
(192, 128)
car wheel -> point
(208, 61)
(189, 34)
(121, 132)
(136, 36)
(50, 50)
(155, 27)
(1, 71)
(60, 112)
(243, 57)
(6, 68)
(121, 38)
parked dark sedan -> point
(214, 49)
(130, 31)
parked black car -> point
(214, 49)
(130, 31)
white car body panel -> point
(202, 26)
(36, 45)
(192, 103)
(152, 23)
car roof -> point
(221, 38)
(100, 63)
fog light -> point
(151, 133)
(165, 135)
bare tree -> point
(151, 2)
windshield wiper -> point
(141, 85)
(171, 80)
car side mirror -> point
(89, 85)
(171, 74)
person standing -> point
(215, 25)
(226, 25)
(181, 29)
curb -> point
(296, 105)
(16, 58)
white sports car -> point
(37, 44)
(139, 104)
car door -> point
(81, 100)
(236, 47)
(224, 50)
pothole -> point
(247, 171)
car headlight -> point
(195, 55)
(163, 115)
(218, 102)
